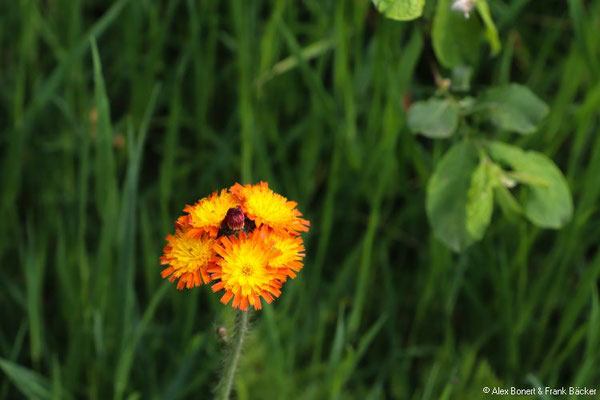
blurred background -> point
(115, 115)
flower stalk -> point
(232, 357)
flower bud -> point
(234, 220)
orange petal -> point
(244, 305)
(218, 286)
(226, 297)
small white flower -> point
(464, 6)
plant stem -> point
(233, 355)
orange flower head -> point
(242, 265)
(246, 239)
(265, 207)
(187, 258)
(290, 250)
(208, 213)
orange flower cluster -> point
(245, 239)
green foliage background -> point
(116, 115)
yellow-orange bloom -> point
(266, 207)
(247, 239)
(208, 213)
(187, 258)
(243, 268)
(290, 249)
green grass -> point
(189, 97)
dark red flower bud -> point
(234, 220)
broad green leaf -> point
(434, 118)
(455, 38)
(480, 198)
(447, 196)
(548, 201)
(401, 10)
(513, 107)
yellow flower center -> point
(188, 254)
(247, 270)
(244, 267)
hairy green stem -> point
(233, 355)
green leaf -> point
(513, 107)
(461, 78)
(548, 201)
(447, 196)
(480, 198)
(434, 118)
(491, 33)
(510, 207)
(31, 384)
(401, 10)
(455, 38)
